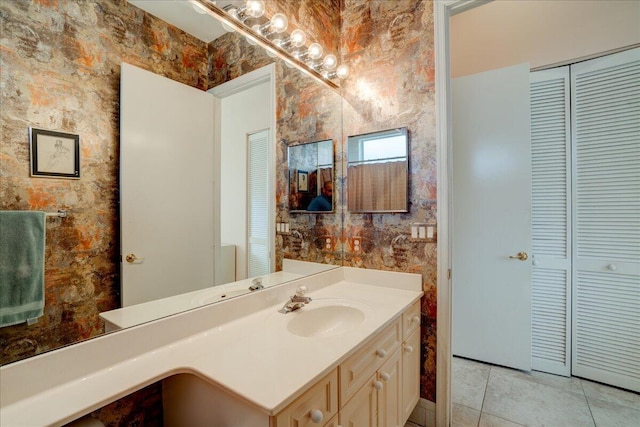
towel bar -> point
(60, 214)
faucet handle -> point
(301, 291)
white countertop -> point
(252, 356)
(145, 312)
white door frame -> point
(246, 81)
(443, 10)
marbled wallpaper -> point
(389, 48)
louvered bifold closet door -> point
(606, 289)
(259, 256)
(550, 219)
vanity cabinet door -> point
(333, 422)
(361, 410)
(390, 409)
(410, 374)
(314, 408)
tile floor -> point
(491, 396)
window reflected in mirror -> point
(311, 177)
(377, 170)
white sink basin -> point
(325, 321)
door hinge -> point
(449, 274)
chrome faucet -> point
(296, 301)
(256, 284)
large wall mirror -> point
(311, 177)
(377, 171)
(84, 279)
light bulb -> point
(330, 62)
(255, 8)
(234, 13)
(298, 38)
(257, 28)
(279, 23)
(270, 52)
(315, 51)
(342, 72)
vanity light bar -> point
(255, 37)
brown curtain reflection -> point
(377, 187)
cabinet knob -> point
(612, 267)
(385, 376)
(408, 349)
(316, 416)
(381, 353)
(415, 319)
(377, 385)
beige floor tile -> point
(463, 416)
(611, 394)
(468, 382)
(607, 414)
(527, 402)
(565, 383)
(488, 420)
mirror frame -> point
(290, 170)
(401, 131)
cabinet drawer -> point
(411, 320)
(323, 396)
(358, 368)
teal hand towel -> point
(22, 239)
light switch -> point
(414, 232)
(286, 227)
(278, 227)
(429, 232)
(421, 232)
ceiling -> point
(182, 14)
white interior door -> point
(166, 187)
(491, 318)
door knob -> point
(131, 258)
(522, 256)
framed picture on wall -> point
(303, 181)
(54, 154)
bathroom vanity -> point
(349, 357)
